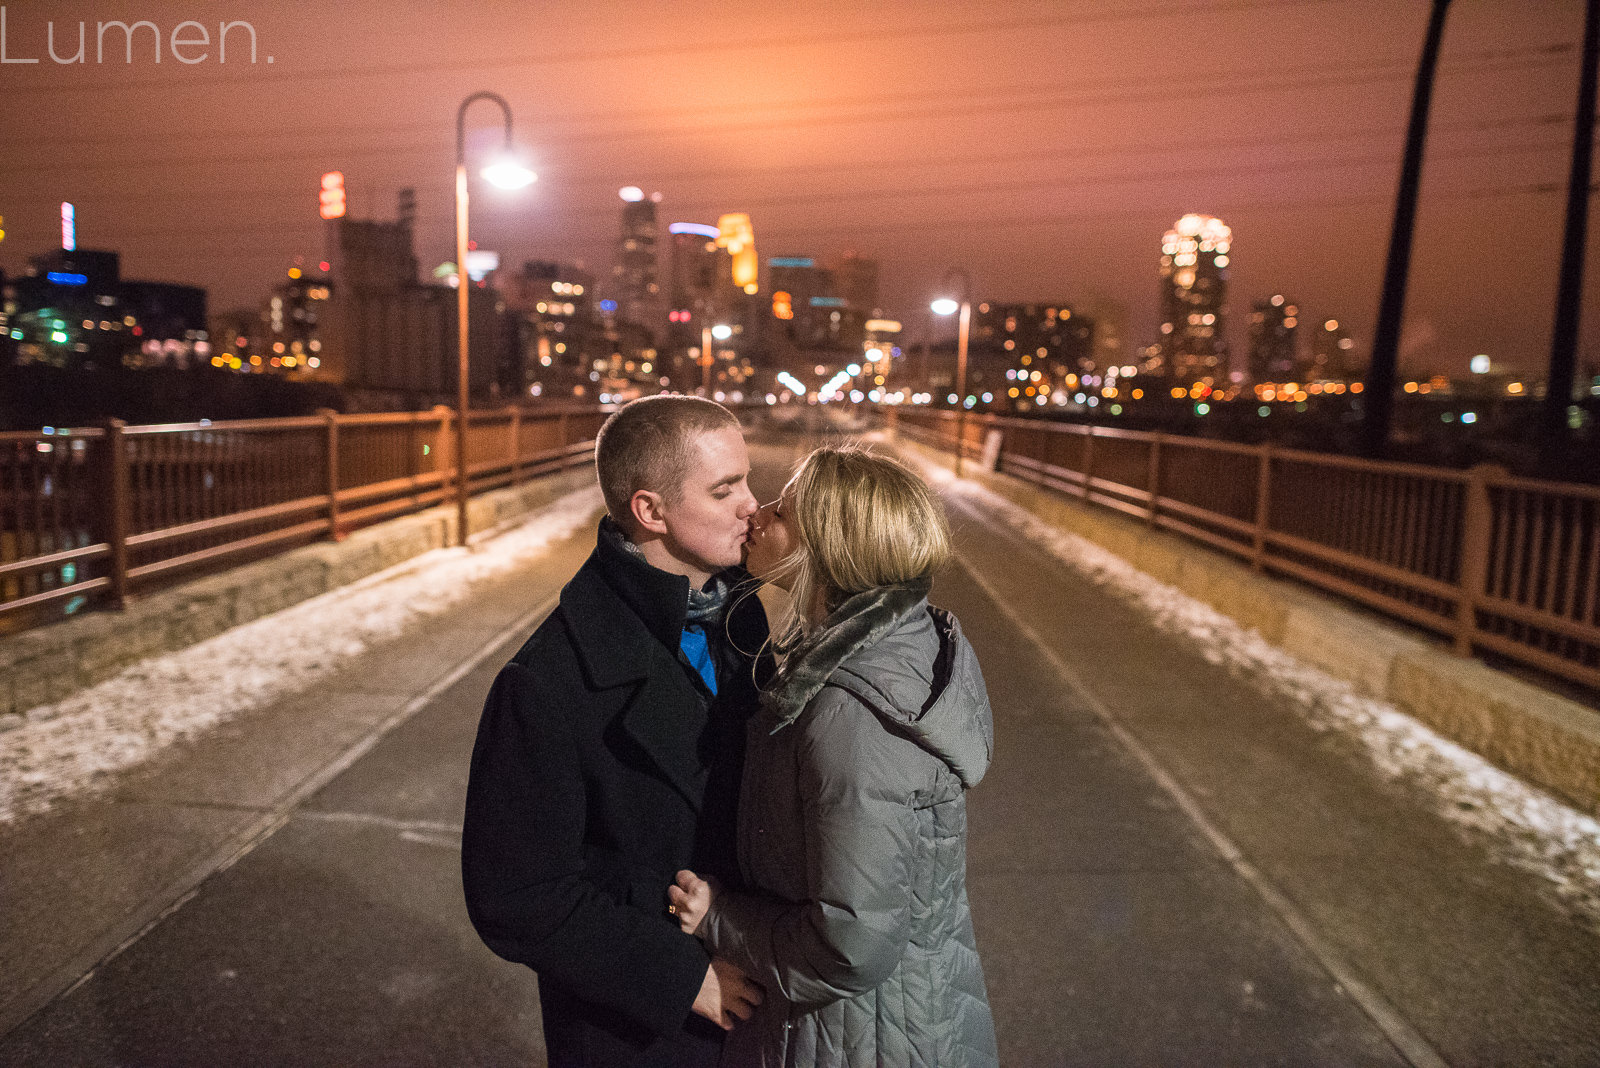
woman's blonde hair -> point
(861, 520)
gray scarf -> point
(705, 604)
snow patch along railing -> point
(90, 515)
(1492, 562)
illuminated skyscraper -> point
(634, 275)
(1274, 340)
(1194, 289)
(699, 267)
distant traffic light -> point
(2, 227)
(332, 195)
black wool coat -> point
(603, 766)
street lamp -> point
(721, 332)
(506, 173)
(948, 305)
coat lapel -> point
(664, 716)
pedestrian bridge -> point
(1194, 847)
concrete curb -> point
(41, 667)
(1538, 735)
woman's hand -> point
(690, 899)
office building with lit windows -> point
(1333, 354)
(1028, 352)
(560, 336)
(635, 281)
(701, 280)
(1194, 290)
(806, 309)
(388, 338)
(818, 308)
(73, 309)
(1275, 340)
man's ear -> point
(649, 511)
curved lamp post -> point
(507, 173)
(948, 305)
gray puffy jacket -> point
(852, 836)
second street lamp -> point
(720, 332)
(506, 173)
(946, 306)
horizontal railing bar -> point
(1530, 654)
(1534, 617)
(363, 516)
(390, 418)
(64, 593)
(1375, 568)
(301, 422)
(394, 485)
(1138, 511)
(1194, 511)
(200, 556)
(211, 526)
(1355, 591)
(1501, 480)
(1210, 537)
(83, 433)
(65, 556)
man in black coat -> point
(610, 749)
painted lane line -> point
(1406, 1039)
(181, 890)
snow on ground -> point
(1521, 824)
(73, 747)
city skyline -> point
(897, 134)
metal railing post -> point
(118, 511)
(1088, 461)
(331, 417)
(516, 445)
(1153, 479)
(1477, 521)
(1258, 537)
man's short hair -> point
(645, 445)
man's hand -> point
(690, 899)
(727, 995)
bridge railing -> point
(1492, 562)
(91, 515)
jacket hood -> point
(876, 646)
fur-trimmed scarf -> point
(860, 622)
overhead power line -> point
(1252, 82)
(1090, 12)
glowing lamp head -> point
(945, 306)
(506, 173)
(722, 331)
(631, 193)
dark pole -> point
(462, 295)
(1378, 389)
(1569, 295)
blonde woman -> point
(852, 816)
